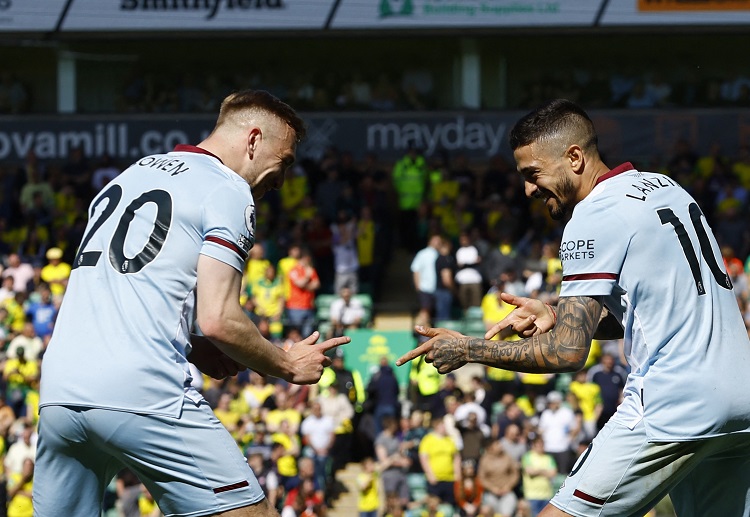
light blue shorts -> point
(191, 465)
(622, 474)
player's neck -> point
(223, 149)
(597, 169)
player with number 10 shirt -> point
(640, 263)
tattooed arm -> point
(562, 349)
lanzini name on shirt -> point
(648, 185)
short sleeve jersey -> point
(641, 242)
(125, 322)
(440, 451)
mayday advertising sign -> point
(195, 15)
(30, 15)
(378, 14)
(623, 135)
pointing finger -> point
(511, 299)
(492, 331)
(425, 331)
(311, 339)
(411, 354)
(332, 343)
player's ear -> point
(574, 155)
(254, 136)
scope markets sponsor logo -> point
(430, 137)
(577, 250)
(210, 7)
(113, 139)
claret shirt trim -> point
(625, 167)
(183, 148)
(230, 245)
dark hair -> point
(264, 101)
(551, 119)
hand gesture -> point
(308, 357)
(531, 317)
(447, 349)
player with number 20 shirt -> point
(164, 251)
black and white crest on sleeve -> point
(250, 221)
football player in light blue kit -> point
(165, 247)
(639, 262)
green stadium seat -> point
(474, 313)
(474, 328)
(324, 327)
(364, 298)
(417, 484)
(457, 325)
(366, 301)
(323, 306)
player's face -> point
(274, 155)
(546, 177)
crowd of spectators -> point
(146, 91)
(189, 93)
(416, 90)
(497, 445)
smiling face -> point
(555, 148)
(546, 177)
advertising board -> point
(623, 134)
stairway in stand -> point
(396, 293)
(346, 504)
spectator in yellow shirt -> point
(367, 483)
(56, 272)
(441, 461)
(286, 264)
(589, 396)
(19, 374)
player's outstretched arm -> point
(223, 321)
(563, 349)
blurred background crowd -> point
(328, 245)
(149, 90)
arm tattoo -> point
(451, 353)
(563, 349)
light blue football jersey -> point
(122, 335)
(641, 241)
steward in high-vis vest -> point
(410, 180)
(349, 382)
(425, 383)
